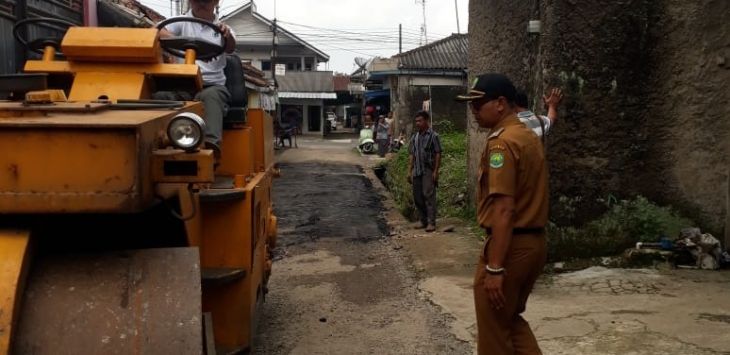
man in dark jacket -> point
(423, 170)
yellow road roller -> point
(119, 232)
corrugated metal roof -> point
(449, 53)
(307, 95)
(306, 81)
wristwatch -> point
(497, 271)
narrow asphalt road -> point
(339, 284)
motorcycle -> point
(397, 143)
(366, 143)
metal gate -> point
(12, 54)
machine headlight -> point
(186, 131)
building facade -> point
(425, 78)
(301, 87)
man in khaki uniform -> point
(512, 207)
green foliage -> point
(444, 127)
(623, 224)
(396, 179)
(453, 182)
(452, 188)
(643, 220)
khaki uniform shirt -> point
(513, 164)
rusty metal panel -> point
(65, 160)
(69, 170)
(133, 302)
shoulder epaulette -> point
(496, 133)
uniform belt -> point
(516, 231)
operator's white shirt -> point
(211, 70)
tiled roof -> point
(306, 81)
(449, 53)
(136, 5)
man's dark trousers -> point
(424, 196)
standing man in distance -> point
(423, 170)
(215, 95)
(512, 207)
(381, 136)
(390, 120)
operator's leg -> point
(172, 96)
(215, 100)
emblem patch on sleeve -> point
(496, 160)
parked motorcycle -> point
(366, 143)
(397, 143)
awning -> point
(307, 95)
(372, 94)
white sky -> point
(346, 29)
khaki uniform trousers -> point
(504, 331)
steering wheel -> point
(39, 44)
(177, 46)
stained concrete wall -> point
(647, 89)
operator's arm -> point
(230, 37)
(164, 33)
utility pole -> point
(274, 42)
(400, 38)
(172, 6)
(456, 5)
(424, 34)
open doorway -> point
(315, 118)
